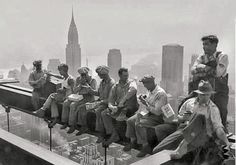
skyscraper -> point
(53, 65)
(114, 63)
(73, 50)
(172, 69)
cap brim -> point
(200, 92)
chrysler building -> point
(73, 50)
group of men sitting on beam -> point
(200, 122)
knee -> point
(130, 121)
(104, 114)
(72, 105)
(98, 111)
(65, 103)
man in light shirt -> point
(137, 124)
(204, 127)
(212, 66)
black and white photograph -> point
(117, 82)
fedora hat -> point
(204, 87)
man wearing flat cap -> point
(205, 124)
(150, 104)
(72, 110)
(37, 80)
(212, 66)
(62, 93)
(103, 92)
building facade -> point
(53, 65)
(114, 63)
(172, 69)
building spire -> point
(72, 13)
(73, 33)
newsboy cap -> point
(102, 69)
(82, 70)
(37, 62)
(147, 79)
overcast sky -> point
(37, 29)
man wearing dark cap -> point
(204, 125)
(103, 93)
(122, 103)
(37, 80)
(84, 82)
(212, 66)
(150, 115)
(69, 111)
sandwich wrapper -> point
(75, 97)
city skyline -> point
(136, 28)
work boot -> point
(39, 113)
(100, 139)
(54, 122)
(144, 151)
(71, 130)
(180, 151)
(114, 138)
(129, 146)
(82, 131)
(64, 126)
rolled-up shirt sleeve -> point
(215, 118)
(183, 108)
(195, 65)
(221, 69)
(161, 100)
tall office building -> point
(114, 63)
(172, 69)
(53, 65)
(73, 50)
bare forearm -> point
(222, 136)
(93, 92)
(33, 82)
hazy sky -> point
(37, 29)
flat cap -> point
(147, 79)
(37, 62)
(82, 70)
(102, 69)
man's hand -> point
(60, 90)
(202, 66)
(142, 100)
(187, 115)
(148, 109)
(86, 86)
(121, 104)
(113, 109)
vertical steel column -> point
(50, 138)
(7, 109)
(50, 133)
(105, 147)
